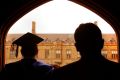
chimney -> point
(33, 27)
(95, 22)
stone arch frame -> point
(32, 4)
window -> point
(58, 53)
(68, 53)
(47, 53)
(58, 30)
(114, 55)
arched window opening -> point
(56, 22)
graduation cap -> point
(27, 39)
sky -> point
(58, 16)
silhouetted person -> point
(92, 65)
(27, 68)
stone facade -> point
(59, 49)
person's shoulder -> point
(68, 72)
(68, 68)
(109, 62)
(10, 67)
(42, 65)
(114, 65)
(13, 64)
(111, 69)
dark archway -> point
(24, 9)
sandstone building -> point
(59, 49)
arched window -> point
(56, 22)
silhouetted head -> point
(29, 51)
(28, 43)
(88, 39)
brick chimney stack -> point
(95, 22)
(33, 27)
